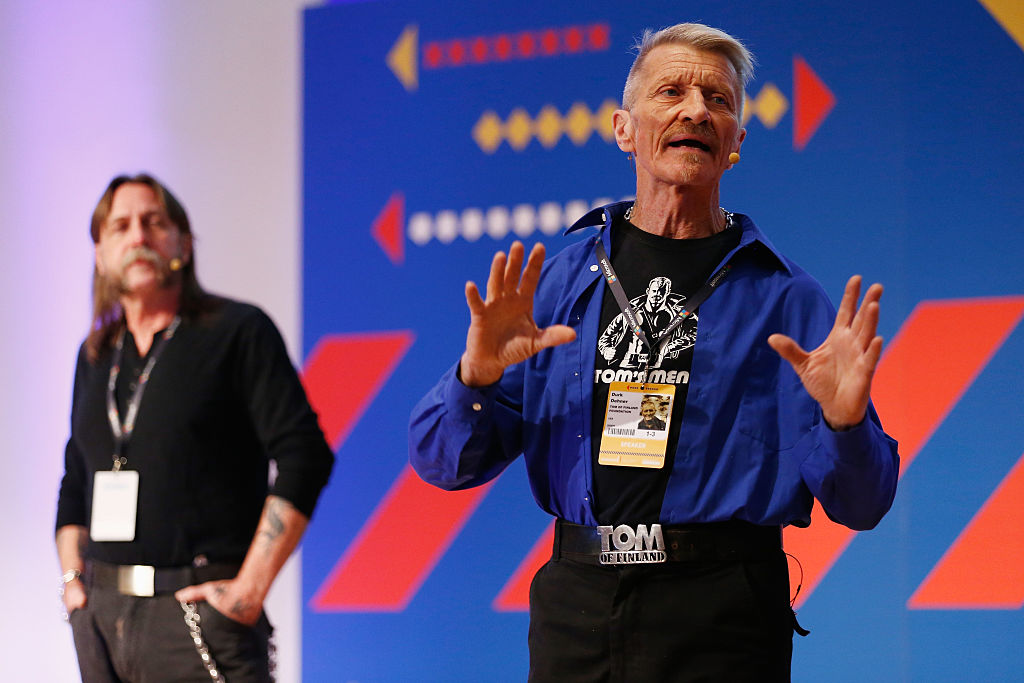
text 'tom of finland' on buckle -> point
(632, 546)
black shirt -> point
(658, 275)
(222, 401)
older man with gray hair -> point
(667, 562)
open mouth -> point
(689, 142)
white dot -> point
(550, 217)
(421, 228)
(497, 222)
(447, 226)
(574, 210)
(472, 224)
(524, 219)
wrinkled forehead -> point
(674, 62)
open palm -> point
(502, 331)
(838, 373)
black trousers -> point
(716, 621)
(125, 639)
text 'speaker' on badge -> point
(636, 423)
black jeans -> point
(715, 621)
(125, 639)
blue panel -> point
(912, 179)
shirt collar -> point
(604, 216)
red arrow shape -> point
(984, 568)
(812, 102)
(344, 373)
(411, 528)
(387, 228)
(912, 400)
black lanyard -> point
(627, 309)
(123, 432)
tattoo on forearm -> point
(274, 526)
(240, 608)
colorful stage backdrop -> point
(883, 138)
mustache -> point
(703, 129)
(144, 254)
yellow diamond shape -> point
(487, 132)
(603, 120)
(518, 130)
(548, 126)
(748, 108)
(578, 125)
(771, 105)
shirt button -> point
(477, 407)
(593, 268)
(579, 436)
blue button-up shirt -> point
(752, 446)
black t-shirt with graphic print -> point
(658, 275)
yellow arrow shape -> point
(401, 57)
(1010, 14)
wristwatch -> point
(70, 575)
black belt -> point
(144, 580)
(732, 540)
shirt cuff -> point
(850, 445)
(469, 404)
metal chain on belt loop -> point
(192, 620)
(272, 658)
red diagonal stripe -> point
(515, 596)
(398, 547)
(984, 568)
(917, 383)
(344, 372)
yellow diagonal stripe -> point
(1010, 15)
(550, 125)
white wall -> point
(206, 96)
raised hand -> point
(502, 331)
(838, 373)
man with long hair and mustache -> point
(168, 533)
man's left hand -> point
(838, 373)
(228, 597)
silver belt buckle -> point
(137, 580)
(632, 546)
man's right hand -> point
(71, 542)
(74, 596)
(502, 331)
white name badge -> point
(115, 501)
(636, 424)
